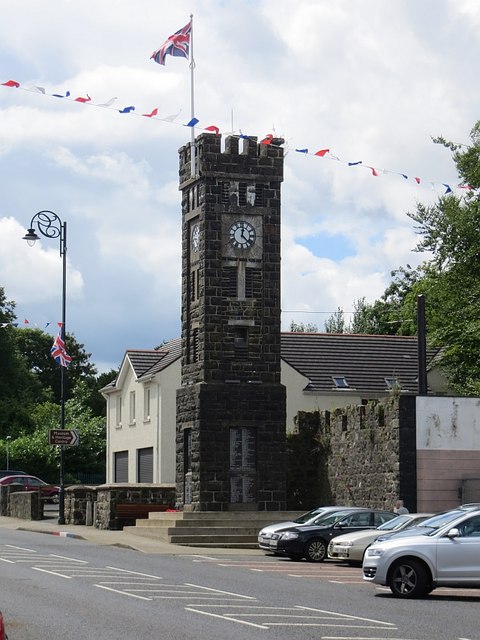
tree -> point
(450, 231)
(34, 345)
(18, 387)
(393, 314)
(303, 328)
(32, 451)
(336, 322)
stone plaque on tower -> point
(231, 415)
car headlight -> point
(374, 552)
(345, 543)
(290, 535)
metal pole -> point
(51, 226)
(63, 253)
(193, 167)
(8, 452)
(422, 347)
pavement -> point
(125, 539)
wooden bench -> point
(129, 512)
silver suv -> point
(444, 551)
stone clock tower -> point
(231, 423)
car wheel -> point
(408, 579)
(315, 550)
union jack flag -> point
(58, 352)
(176, 45)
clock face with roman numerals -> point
(242, 235)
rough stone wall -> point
(79, 501)
(26, 505)
(363, 465)
(371, 452)
(224, 406)
(108, 496)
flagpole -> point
(192, 102)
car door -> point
(458, 559)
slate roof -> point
(363, 360)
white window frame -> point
(118, 411)
(147, 398)
(132, 408)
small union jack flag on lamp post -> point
(58, 352)
(177, 45)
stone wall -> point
(371, 452)
(26, 505)
(109, 495)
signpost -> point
(63, 437)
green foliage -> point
(450, 231)
(34, 345)
(336, 322)
(32, 452)
(300, 327)
(307, 460)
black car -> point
(311, 541)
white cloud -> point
(371, 81)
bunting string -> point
(325, 153)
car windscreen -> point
(394, 523)
(441, 519)
(309, 515)
(329, 519)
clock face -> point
(195, 239)
(242, 235)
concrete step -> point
(229, 529)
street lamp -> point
(51, 226)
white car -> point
(351, 546)
(265, 535)
(443, 552)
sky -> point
(373, 81)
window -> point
(225, 193)
(259, 195)
(193, 346)
(132, 407)
(357, 520)
(118, 417)
(187, 448)
(253, 283)
(146, 403)
(470, 528)
(230, 282)
(193, 285)
(121, 466)
(242, 194)
(145, 465)
(340, 382)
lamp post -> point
(8, 438)
(51, 226)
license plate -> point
(342, 553)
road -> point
(54, 588)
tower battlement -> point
(241, 155)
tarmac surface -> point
(116, 538)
